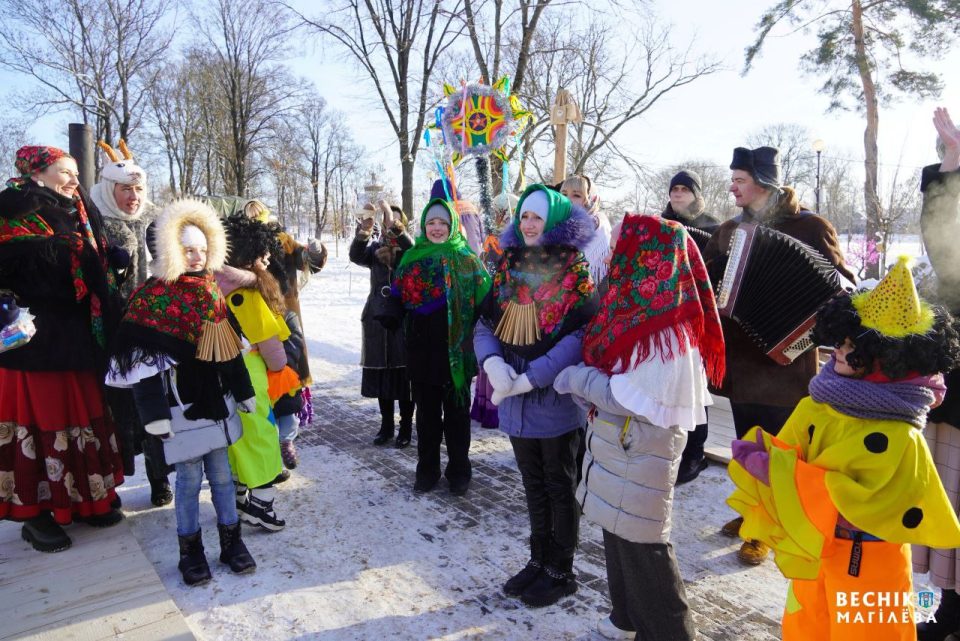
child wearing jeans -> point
(176, 350)
(849, 483)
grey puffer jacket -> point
(627, 487)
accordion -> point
(699, 236)
(772, 286)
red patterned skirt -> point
(58, 448)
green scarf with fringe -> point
(432, 273)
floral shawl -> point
(431, 274)
(657, 281)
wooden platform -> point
(101, 588)
(720, 432)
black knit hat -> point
(689, 179)
(763, 163)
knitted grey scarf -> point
(907, 401)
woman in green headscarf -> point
(441, 284)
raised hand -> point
(950, 136)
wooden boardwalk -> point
(101, 588)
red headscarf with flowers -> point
(33, 158)
(657, 281)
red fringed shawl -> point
(657, 281)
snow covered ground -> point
(362, 557)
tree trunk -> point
(406, 192)
(871, 199)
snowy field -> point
(364, 558)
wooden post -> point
(563, 112)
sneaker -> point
(282, 477)
(753, 552)
(259, 511)
(690, 469)
(731, 529)
(288, 452)
(550, 586)
(520, 581)
(608, 630)
(45, 534)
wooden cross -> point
(563, 112)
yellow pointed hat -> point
(893, 307)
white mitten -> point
(500, 374)
(521, 385)
(497, 397)
(159, 428)
(248, 405)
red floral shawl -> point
(657, 281)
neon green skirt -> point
(255, 458)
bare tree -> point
(180, 103)
(13, 135)
(863, 48)
(253, 90)
(398, 43)
(612, 88)
(96, 58)
(798, 161)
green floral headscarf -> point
(430, 274)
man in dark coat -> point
(762, 392)
(686, 207)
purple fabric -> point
(908, 401)
(753, 456)
(483, 411)
(306, 412)
(470, 224)
(576, 231)
(542, 412)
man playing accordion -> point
(762, 391)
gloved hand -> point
(159, 428)
(248, 405)
(753, 456)
(118, 257)
(521, 385)
(500, 374)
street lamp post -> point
(818, 146)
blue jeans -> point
(189, 479)
(288, 426)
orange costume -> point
(840, 498)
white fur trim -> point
(170, 262)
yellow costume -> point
(255, 458)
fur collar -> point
(17, 203)
(170, 262)
(576, 231)
(787, 205)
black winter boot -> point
(385, 435)
(193, 562)
(555, 582)
(259, 510)
(406, 424)
(160, 492)
(947, 618)
(232, 550)
(522, 579)
(45, 534)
